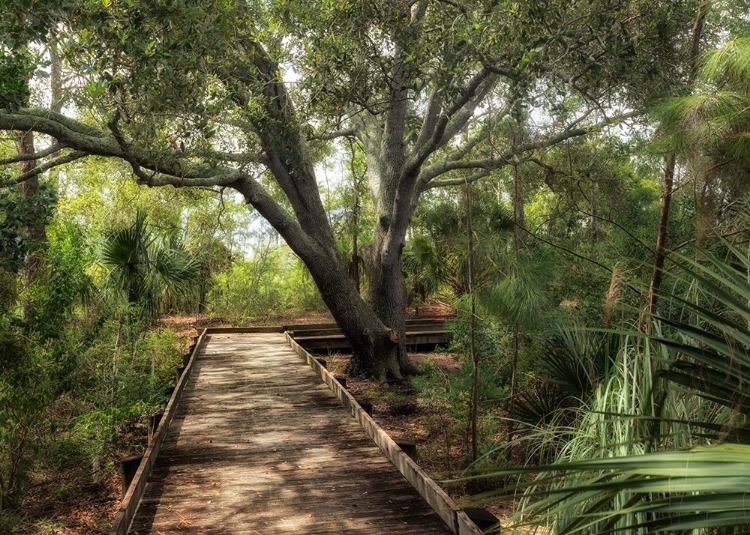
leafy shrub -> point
(268, 284)
(24, 395)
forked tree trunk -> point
(374, 353)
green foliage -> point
(24, 394)
(436, 255)
(65, 283)
(15, 71)
(17, 212)
(631, 460)
(716, 117)
(141, 267)
(111, 389)
(270, 283)
(448, 395)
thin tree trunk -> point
(594, 221)
(35, 229)
(660, 251)
(514, 375)
(55, 74)
(354, 263)
(518, 215)
(670, 160)
(472, 329)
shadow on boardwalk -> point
(260, 446)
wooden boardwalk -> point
(259, 445)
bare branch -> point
(62, 160)
(35, 156)
(506, 158)
(346, 132)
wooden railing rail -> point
(436, 497)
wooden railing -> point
(453, 516)
(125, 514)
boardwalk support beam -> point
(128, 468)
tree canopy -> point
(245, 95)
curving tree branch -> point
(39, 169)
(444, 166)
(35, 156)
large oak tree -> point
(241, 94)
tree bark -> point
(35, 229)
(670, 161)
(660, 252)
(375, 352)
(386, 297)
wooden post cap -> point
(153, 423)
(408, 446)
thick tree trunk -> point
(387, 299)
(374, 352)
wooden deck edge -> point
(409, 321)
(132, 498)
(437, 498)
(244, 330)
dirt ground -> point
(59, 504)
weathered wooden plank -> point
(258, 445)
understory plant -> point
(662, 443)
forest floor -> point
(67, 503)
